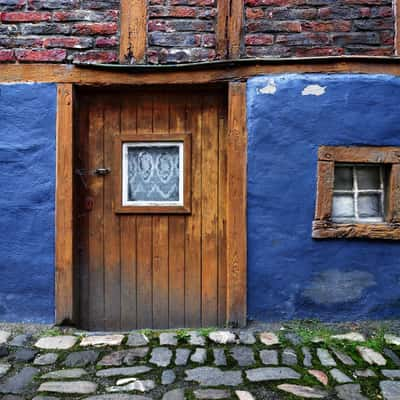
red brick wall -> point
(67, 31)
(318, 27)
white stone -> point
(4, 336)
(325, 358)
(127, 371)
(168, 339)
(371, 356)
(392, 339)
(70, 387)
(243, 395)
(269, 338)
(303, 391)
(100, 341)
(4, 368)
(199, 356)
(222, 337)
(141, 386)
(351, 336)
(72, 373)
(56, 342)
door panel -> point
(149, 270)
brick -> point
(387, 38)
(68, 42)
(268, 51)
(303, 39)
(208, 40)
(11, 5)
(25, 16)
(105, 42)
(94, 56)
(254, 13)
(52, 4)
(319, 51)
(367, 2)
(85, 15)
(40, 55)
(109, 28)
(334, 26)
(274, 26)
(177, 12)
(339, 12)
(199, 3)
(259, 39)
(25, 42)
(177, 56)
(7, 55)
(374, 24)
(343, 39)
(45, 29)
(174, 40)
(180, 25)
(369, 51)
(8, 29)
(100, 4)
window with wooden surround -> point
(154, 175)
(358, 193)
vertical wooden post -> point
(222, 28)
(64, 205)
(133, 31)
(236, 207)
(396, 11)
(235, 28)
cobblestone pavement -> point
(299, 361)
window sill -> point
(323, 229)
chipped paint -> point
(313, 90)
(269, 89)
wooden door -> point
(152, 270)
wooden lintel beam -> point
(64, 206)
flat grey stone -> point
(371, 356)
(390, 390)
(161, 356)
(339, 376)
(69, 387)
(56, 342)
(3, 350)
(81, 358)
(136, 339)
(391, 373)
(127, 371)
(243, 355)
(393, 356)
(102, 340)
(325, 358)
(307, 360)
(196, 339)
(167, 377)
(244, 395)
(12, 397)
(118, 396)
(24, 355)
(271, 374)
(269, 338)
(294, 338)
(73, 373)
(350, 391)
(182, 356)
(45, 398)
(219, 357)
(392, 339)
(139, 385)
(246, 338)
(209, 376)
(199, 356)
(46, 359)
(20, 340)
(269, 357)
(168, 339)
(343, 357)
(129, 357)
(4, 368)
(176, 394)
(351, 337)
(211, 394)
(4, 336)
(366, 373)
(20, 382)
(303, 391)
(222, 337)
(289, 357)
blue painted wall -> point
(27, 186)
(290, 275)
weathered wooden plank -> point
(112, 250)
(360, 154)
(128, 231)
(235, 28)
(394, 194)
(325, 179)
(133, 32)
(96, 218)
(210, 211)
(222, 28)
(236, 206)
(65, 206)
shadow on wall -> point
(27, 182)
(290, 275)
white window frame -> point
(355, 192)
(125, 148)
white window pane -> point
(369, 205)
(343, 206)
(368, 177)
(343, 178)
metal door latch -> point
(102, 171)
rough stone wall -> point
(59, 31)
(304, 28)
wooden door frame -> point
(236, 221)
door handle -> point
(102, 171)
